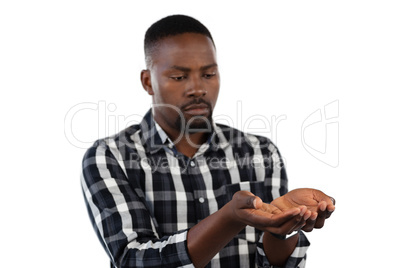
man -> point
(178, 190)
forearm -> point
(278, 251)
(210, 235)
(169, 251)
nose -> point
(196, 88)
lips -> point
(197, 109)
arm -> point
(291, 252)
(121, 219)
(213, 233)
(125, 227)
(319, 207)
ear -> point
(146, 81)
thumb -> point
(246, 199)
(257, 202)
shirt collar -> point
(155, 138)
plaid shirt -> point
(143, 195)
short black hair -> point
(171, 26)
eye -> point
(178, 78)
(209, 75)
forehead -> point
(185, 49)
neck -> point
(186, 143)
(189, 143)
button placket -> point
(200, 197)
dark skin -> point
(184, 82)
(180, 74)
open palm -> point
(319, 205)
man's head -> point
(182, 75)
(170, 26)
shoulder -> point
(117, 143)
(240, 139)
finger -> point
(296, 223)
(322, 215)
(302, 223)
(245, 199)
(330, 201)
(257, 202)
(261, 219)
(333, 200)
(310, 223)
(307, 219)
(327, 207)
(328, 214)
(331, 207)
(249, 209)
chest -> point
(179, 191)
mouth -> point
(197, 109)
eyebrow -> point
(186, 69)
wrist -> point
(285, 237)
(278, 251)
(232, 217)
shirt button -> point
(192, 164)
(201, 200)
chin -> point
(203, 124)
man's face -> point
(184, 82)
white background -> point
(283, 59)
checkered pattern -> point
(143, 195)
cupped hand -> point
(250, 210)
(319, 205)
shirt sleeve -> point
(296, 260)
(121, 219)
(276, 172)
